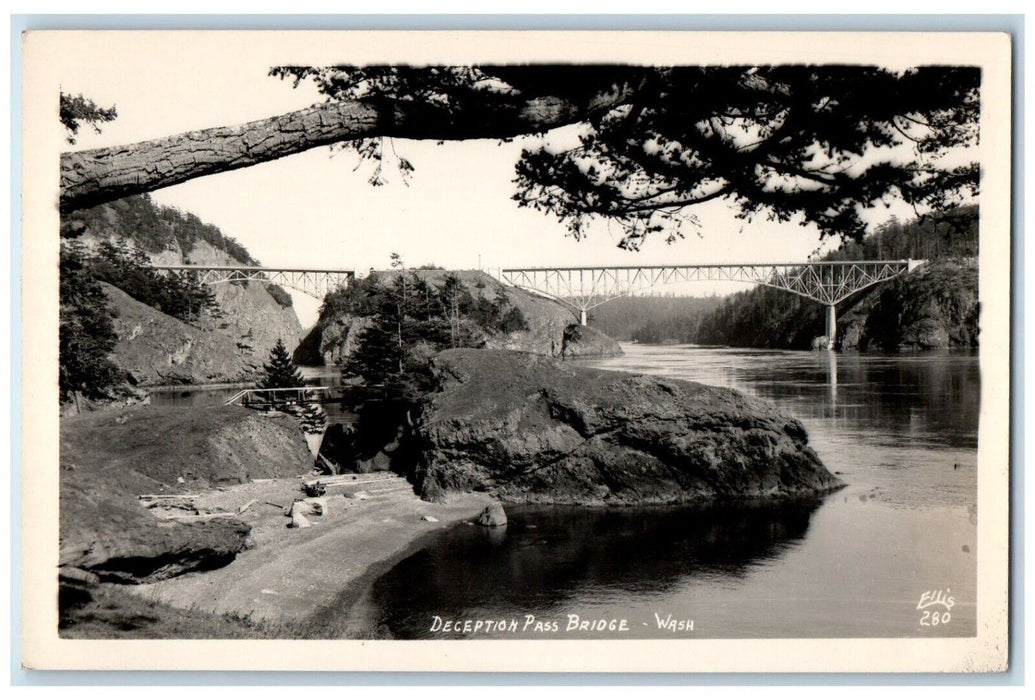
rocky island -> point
(531, 430)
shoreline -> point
(337, 621)
(293, 578)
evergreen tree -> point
(77, 110)
(129, 268)
(280, 371)
(86, 332)
(813, 144)
(313, 418)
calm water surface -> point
(901, 430)
(218, 394)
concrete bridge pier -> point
(831, 326)
(582, 317)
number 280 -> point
(934, 618)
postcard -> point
(516, 351)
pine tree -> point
(86, 331)
(280, 371)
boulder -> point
(493, 516)
(526, 428)
(298, 521)
(117, 540)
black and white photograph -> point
(437, 349)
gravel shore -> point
(292, 576)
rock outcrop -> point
(529, 429)
(110, 458)
(251, 316)
(935, 306)
(493, 516)
(331, 340)
(156, 349)
(549, 325)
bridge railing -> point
(826, 282)
(313, 282)
(288, 395)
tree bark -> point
(96, 176)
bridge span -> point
(828, 283)
(314, 283)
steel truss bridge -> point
(315, 283)
(828, 283)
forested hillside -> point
(154, 228)
(652, 319)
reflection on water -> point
(216, 395)
(933, 395)
(560, 556)
(901, 430)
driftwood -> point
(198, 518)
(247, 505)
(346, 479)
(159, 496)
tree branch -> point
(92, 177)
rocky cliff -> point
(552, 329)
(934, 306)
(254, 315)
(529, 429)
(251, 317)
(110, 458)
(155, 349)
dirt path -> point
(291, 574)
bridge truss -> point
(314, 283)
(828, 283)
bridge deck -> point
(826, 282)
(311, 281)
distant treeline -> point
(766, 317)
(653, 319)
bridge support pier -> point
(582, 317)
(831, 326)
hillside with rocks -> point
(935, 306)
(551, 328)
(155, 349)
(251, 316)
(109, 458)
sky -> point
(318, 209)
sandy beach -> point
(290, 575)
